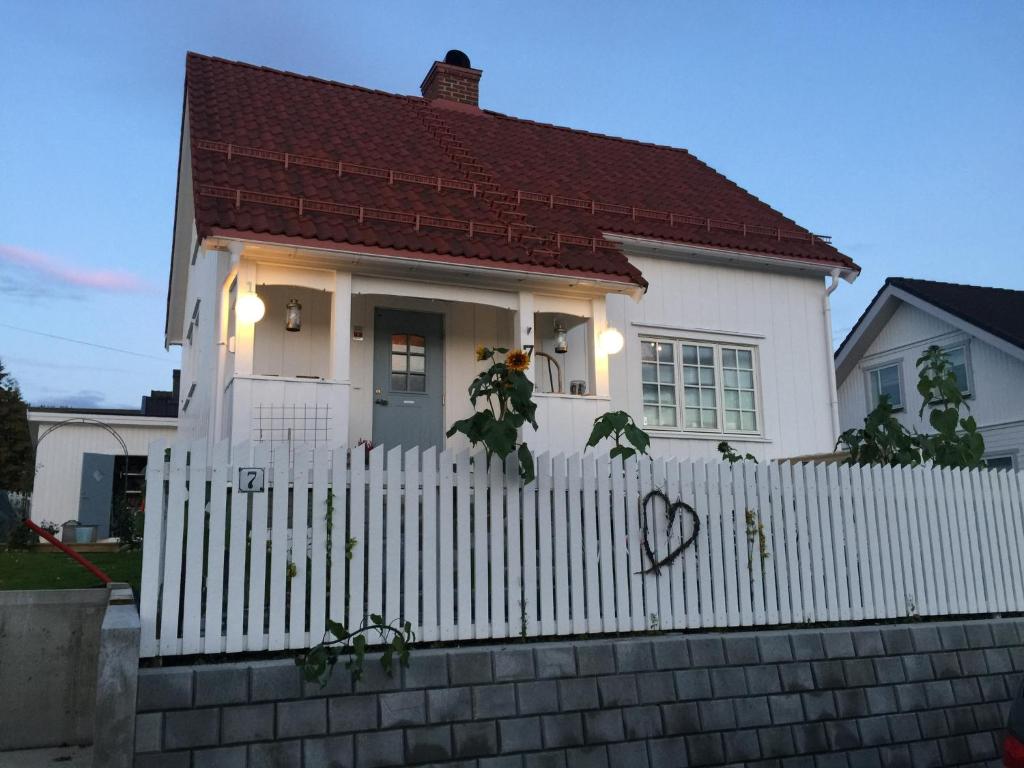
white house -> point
(982, 331)
(339, 252)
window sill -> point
(715, 436)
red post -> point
(68, 551)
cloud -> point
(35, 264)
(83, 398)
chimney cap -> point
(457, 58)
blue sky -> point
(894, 127)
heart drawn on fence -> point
(671, 511)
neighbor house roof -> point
(997, 312)
(287, 156)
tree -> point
(16, 454)
(955, 443)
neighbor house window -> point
(717, 383)
(886, 380)
(999, 462)
(958, 359)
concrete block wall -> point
(897, 695)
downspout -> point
(830, 357)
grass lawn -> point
(49, 570)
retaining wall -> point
(896, 695)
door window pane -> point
(408, 363)
(658, 376)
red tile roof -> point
(279, 154)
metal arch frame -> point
(86, 420)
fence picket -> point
(481, 605)
(531, 553)
(238, 554)
(637, 614)
(514, 594)
(674, 573)
(495, 511)
(559, 513)
(688, 493)
(463, 532)
(902, 562)
(279, 553)
(376, 527)
(744, 555)
(299, 550)
(357, 525)
(195, 531)
(1015, 529)
(153, 545)
(436, 555)
(545, 536)
(216, 552)
(963, 510)
(447, 595)
(606, 560)
(840, 529)
(171, 586)
(577, 587)
(716, 545)
(255, 629)
(318, 546)
(393, 555)
(779, 545)
(703, 543)
(620, 540)
(591, 554)
(888, 531)
(412, 539)
(811, 568)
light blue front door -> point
(408, 386)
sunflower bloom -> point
(517, 360)
(481, 352)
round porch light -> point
(293, 316)
(611, 341)
(249, 308)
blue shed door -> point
(96, 496)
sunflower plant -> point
(507, 396)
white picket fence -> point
(465, 551)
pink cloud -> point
(100, 279)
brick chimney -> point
(453, 80)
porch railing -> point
(464, 551)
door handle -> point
(378, 396)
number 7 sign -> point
(250, 479)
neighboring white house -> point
(88, 459)
(982, 331)
(340, 252)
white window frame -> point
(870, 384)
(969, 373)
(681, 429)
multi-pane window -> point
(958, 360)
(999, 462)
(717, 383)
(408, 363)
(699, 387)
(886, 381)
(658, 375)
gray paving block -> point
(220, 757)
(667, 753)
(874, 731)
(889, 670)
(881, 700)
(301, 718)
(404, 708)
(945, 665)
(469, 667)
(680, 719)
(427, 669)
(707, 651)
(979, 634)
(617, 690)
(774, 648)
(595, 756)
(149, 732)
(693, 684)
(939, 693)
(842, 734)
(595, 659)
(240, 725)
(808, 646)
(520, 734)
(634, 656)
(538, 697)
(550, 759)
(828, 760)
(763, 679)
(897, 641)
(375, 678)
(555, 661)
(565, 730)
(1004, 633)
(864, 758)
(717, 715)
(655, 687)
(578, 693)
(642, 722)
(429, 743)
(513, 664)
(993, 688)
(786, 708)
(966, 690)
(776, 741)
(953, 637)
(926, 639)
(809, 738)
(988, 717)
(954, 750)
(705, 749)
(752, 712)
(859, 672)
(868, 642)
(925, 755)
(726, 681)
(982, 746)
(161, 689)
(1017, 658)
(819, 705)
(973, 663)
(328, 752)
(274, 681)
(602, 726)
(838, 644)
(628, 755)
(741, 650)
(338, 683)
(960, 720)
(670, 653)
(164, 760)
(918, 667)
(450, 704)
(829, 674)
(851, 702)
(904, 727)
(221, 684)
(187, 728)
(276, 754)
(490, 701)
(501, 761)
(797, 677)
(380, 749)
(474, 739)
(933, 724)
(352, 713)
(998, 660)
(742, 746)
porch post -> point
(341, 357)
(524, 330)
(598, 323)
